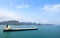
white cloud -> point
(5, 15)
(11, 3)
(41, 20)
(22, 6)
(50, 13)
(52, 8)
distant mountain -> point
(14, 22)
(11, 22)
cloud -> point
(6, 15)
(52, 8)
(22, 6)
(41, 20)
(11, 3)
(50, 13)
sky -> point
(39, 11)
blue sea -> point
(42, 32)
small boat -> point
(8, 28)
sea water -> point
(42, 32)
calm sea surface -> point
(42, 32)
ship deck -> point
(19, 29)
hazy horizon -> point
(39, 11)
